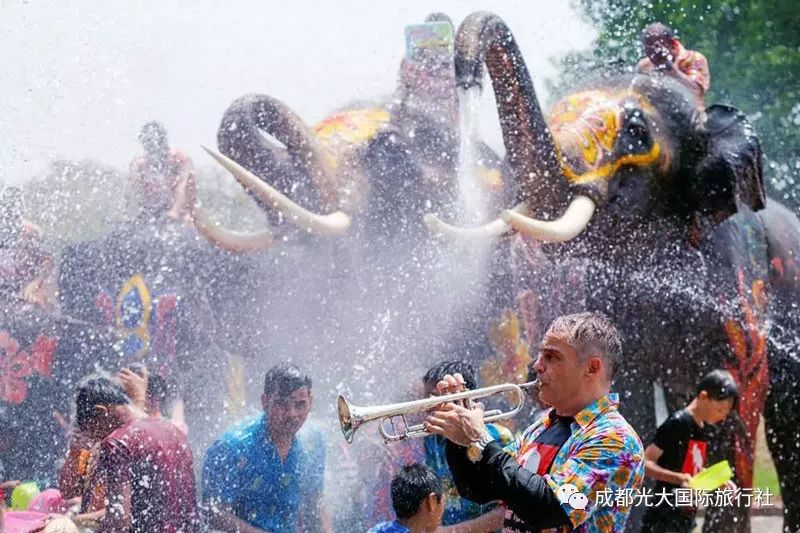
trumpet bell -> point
(346, 420)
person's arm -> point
(184, 191)
(698, 74)
(177, 416)
(135, 386)
(651, 469)
(524, 492)
(468, 477)
(90, 520)
(644, 65)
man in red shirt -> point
(665, 53)
(144, 463)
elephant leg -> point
(727, 518)
(637, 404)
(782, 417)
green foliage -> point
(753, 49)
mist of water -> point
(472, 200)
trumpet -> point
(351, 417)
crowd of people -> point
(129, 465)
(130, 468)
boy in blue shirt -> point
(418, 501)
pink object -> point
(23, 521)
(48, 501)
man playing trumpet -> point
(549, 477)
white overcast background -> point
(79, 78)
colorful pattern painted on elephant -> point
(786, 271)
(145, 322)
(747, 337)
(352, 126)
(586, 126)
(18, 363)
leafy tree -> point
(753, 49)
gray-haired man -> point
(553, 474)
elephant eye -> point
(637, 128)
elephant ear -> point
(730, 175)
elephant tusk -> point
(333, 224)
(570, 225)
(488, 232)
(232, 241)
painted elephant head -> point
(367, 169)
(623, 149)
(634, 202)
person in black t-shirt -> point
(678, 450)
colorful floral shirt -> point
(603, 453)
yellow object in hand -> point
(712, 477)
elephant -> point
(173, 301)
(346, 199)
(634, 202)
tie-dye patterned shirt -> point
(603, 453)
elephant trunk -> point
(272, 173)
(483, 38)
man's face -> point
(660, 49)
(288, 413)
(560, 372)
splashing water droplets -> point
(472, 202)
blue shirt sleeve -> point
(220, 475)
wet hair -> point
(411, 486)
(97, 389)
(284, 379)
(153, 134)
(719, 385)
(657, 32)
(590, 332)
(440, 370)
